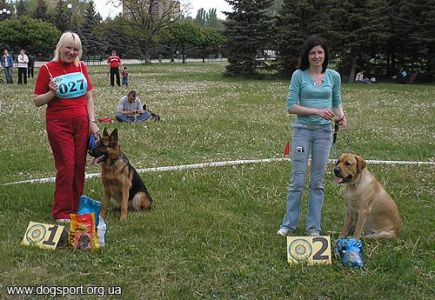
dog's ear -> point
(114, 135)
(105, 133)
(361, 163)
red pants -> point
(68, 140)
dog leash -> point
(347, 137)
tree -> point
(212, 19)
(91, 41)
(21, 8)
(208, 19)
(16, 34)
(201, 17)
(61, 17)
(211, 40)
(360, 28)
(247, 30)
(185, 34)
(412, 41)
(296, 20)
(147, 18)
(41, 10)
(118, 35)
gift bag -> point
(350, 251)
(87, 206)
(82, 233)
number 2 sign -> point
(310, 249)
(42, 235)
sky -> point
(108, 10)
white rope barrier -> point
(225, 163)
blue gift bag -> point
(350, 252)
(87, 206)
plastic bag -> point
(87, 206)
(101, 231)
(350, 252)
(82, 234)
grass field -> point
(212, 232)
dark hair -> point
(311, 42)
(132, 93)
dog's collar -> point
(122, 158)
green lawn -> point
(212, 232)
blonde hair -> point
(68, 39)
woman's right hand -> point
(325, 113)
(52, 85)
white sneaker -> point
(284, 232)
(313, 233)
(63, 221)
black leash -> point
(336, 127)
(334, 138)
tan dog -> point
(369, 209)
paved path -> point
(138, 61)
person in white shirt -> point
(361, 78)
(23, 60)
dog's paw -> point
(122, 219)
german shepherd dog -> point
(122, 183)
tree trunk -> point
(352, 68)
(147, 55)
(183, 53)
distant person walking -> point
(7, 63)
(23, 61)
(114, 63)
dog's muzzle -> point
(337, 172)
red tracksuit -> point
(67, 125)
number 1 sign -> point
(310, 249)
(42, 235)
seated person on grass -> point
(130, 109)
(361, 78)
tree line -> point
(140, 35)
(378, 36)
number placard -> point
(45, 236)
(310, 249)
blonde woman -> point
(64, 87)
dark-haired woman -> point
(315, 98)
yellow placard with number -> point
(310, 249)
(45, 236)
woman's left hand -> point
(341, 120)
(93, 128)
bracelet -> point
(91, 120)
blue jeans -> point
(8, 74)
(131, 118)
(316, 139)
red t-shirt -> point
(114, 61)
(62, 107)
